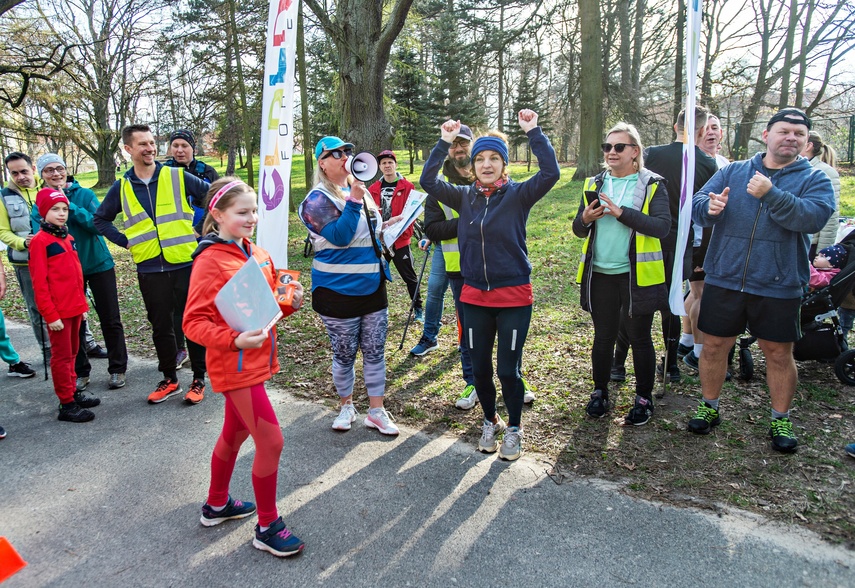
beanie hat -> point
(836, 255)
(46, 198)
(490, 143)
(47, 159)
(183, 134)
(386, 153)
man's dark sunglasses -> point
(338, 153)
(618, 147)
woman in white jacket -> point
(823, 157)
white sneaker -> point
(347, 415)
(511, 444)
(488, 443)
(468, 398)
(380, 419)
(528, 393)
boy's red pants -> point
(64, 346)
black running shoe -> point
(783, 439)
(641, 412)
(599, 405)
(683, 350)
(84, 401)
(706, 417)
(20, 370)
(72, 413)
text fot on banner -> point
(277, 130)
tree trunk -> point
(591, 94)
(247, 115)
(789, 43)
(678, 60)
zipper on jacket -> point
(483, 250)
(750, 245)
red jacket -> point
(399, 199)
(57, 277)
(229, 368)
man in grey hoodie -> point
(764, 211)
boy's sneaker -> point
(489, 442)
(424, 346)
(2, 433)
(234, 509)
(705, 419)
(82, 384)
(618, 373)
(116, 381)
(20, 370)
(783, 439)
(278, 540)
(598, 405)
(196, 392)
(419, 315)
(73, 413)
(684, 350)
(468, 398)
(84, 401)
(181, 358)
(347, 415)
(690, 360)
(641, 412)
(511, 444)
(380, 419)
(850, 449)
(165, 389)
(528, 393)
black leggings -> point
(511, 324)
(610, 305)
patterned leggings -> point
(248, 412)
(367, 332)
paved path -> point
(115, 502)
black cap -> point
(794, 116)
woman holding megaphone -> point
(349, 279)
(497, 296)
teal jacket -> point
(91, 247)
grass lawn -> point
(733, 465)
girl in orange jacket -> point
(238, 365)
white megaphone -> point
(363, 166)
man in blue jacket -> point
(764, 211)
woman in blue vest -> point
(622, 216)
(349, 281)
(496, 295)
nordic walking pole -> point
(44, 349)
(413, 301)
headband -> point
(221, 192)
(490, 143)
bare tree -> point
(591, 96)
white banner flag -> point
(687, 188)
(277, 130)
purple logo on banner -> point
(271, 202)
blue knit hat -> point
(490, 143)
(836, 255)
(47, 159)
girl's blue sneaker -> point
(277, 540)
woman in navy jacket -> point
(497, 295)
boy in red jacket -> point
(58, 286)
(391, 193)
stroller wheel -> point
(844, 367)
(746, 364)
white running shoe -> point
(347, 415)
(380, 419)
(489, 443)
(468, 398)
(511, 444)
(528, 393)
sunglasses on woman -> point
(338, 154)
(618, 147)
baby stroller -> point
(822, 337)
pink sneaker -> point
(380, 419)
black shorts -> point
(698, 254)
(727, 313)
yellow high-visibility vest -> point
(172, 234)
(450, 250)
